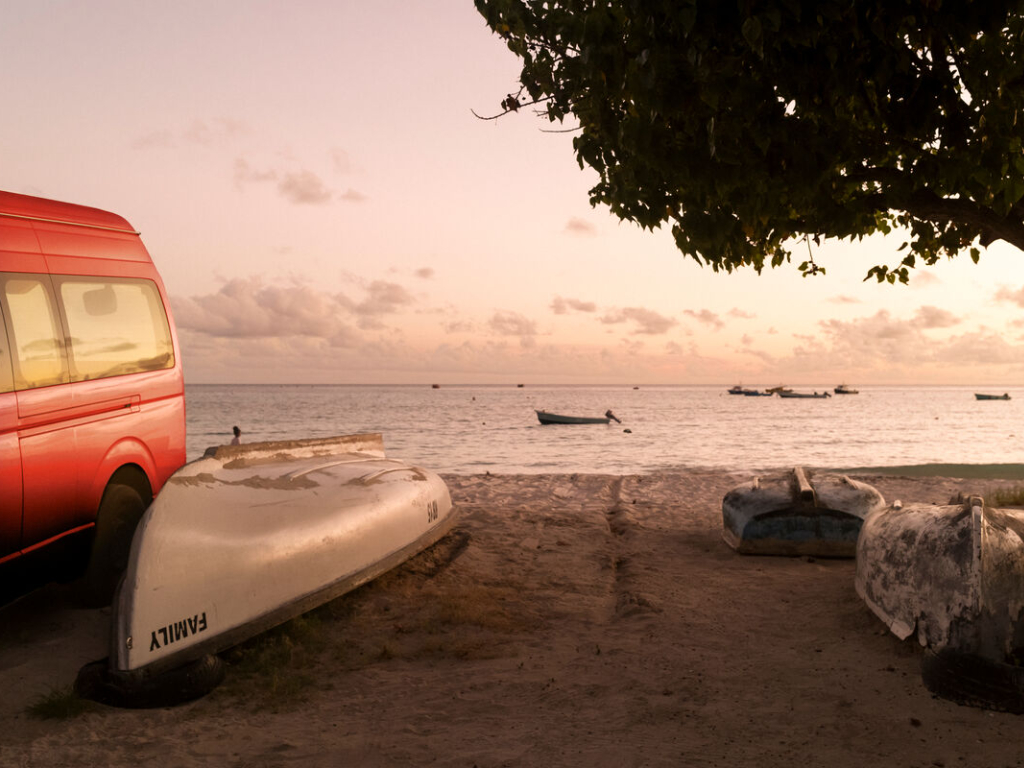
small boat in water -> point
(791, 394)
(797, 513)
(1004, 396)
(554, 418)
(756, 393)
(778, 390)
(250, 536)
(842, 389)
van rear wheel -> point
(120, 511)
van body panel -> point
(61, 441)
(10, 476)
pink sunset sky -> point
(324, 208)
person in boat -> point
(237, 439)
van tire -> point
(120, 511)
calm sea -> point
(477, 429)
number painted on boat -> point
(432, 513)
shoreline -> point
(587, 620)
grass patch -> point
(275, 669)
(59, 704)
(1006, 497)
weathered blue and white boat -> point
(250, 536)
(797, 513)
(554, 418)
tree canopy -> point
(749, 124)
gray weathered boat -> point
(250, 536)
(797, 513)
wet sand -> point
(569, 620)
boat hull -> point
(553, 418)
(951, 574)
(797, 513)
(991, 397)
(253, 535)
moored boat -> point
(842, 389)
(1004, 396)
(554, 418)
(250, 536)
(797, 513)
(791, 394)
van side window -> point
(35, 332)
(115, 326)
(6, 368)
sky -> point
(324, 207)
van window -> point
(114, 327)
(6, 369)
(35, 332)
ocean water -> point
(477, 429)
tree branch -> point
(928, 206)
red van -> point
(92, 405)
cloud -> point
(155, 140)
(304, 187)
(514, 324)
(707, 317)
(246, 174)
(301, 186)
(207, 134)
(740, 314)
(352, 196)
(425, 273)
(200, 133)
(922, 279)
(647, 321)
(561, 306)
(935, 317)
(580, 227)
(845, 300)
(384, 299)
(247, 308)
(1013, 297)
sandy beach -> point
(586, 620)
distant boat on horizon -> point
(842, 389)
(1004, 396)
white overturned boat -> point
(797, 513)
(953, 576)
(950, 574)
(250, 536)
